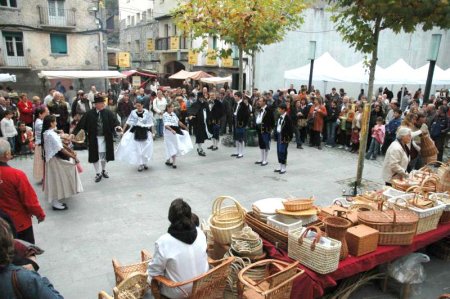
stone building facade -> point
(49, 35)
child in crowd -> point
(355, 140)
(24, 139)
(8, 129)
(378, 132)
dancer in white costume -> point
(136, 146)
(177, 141)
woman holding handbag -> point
(61, 178)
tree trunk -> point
(241, 70)
(366, 114)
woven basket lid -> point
(386, 217)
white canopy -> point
(182, 75)
(217, 80)
(327, 69)
(80, 74)
(7, 78)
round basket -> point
(228, 216)
(298, 204)
(222, 235)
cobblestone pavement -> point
(119, 216)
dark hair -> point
(379, 118)
(238, 94)
(6, 243)
(195, 219)
(39, 110)
(45, 126)
(168, 106)
(180, 215)
(9, 111)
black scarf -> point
(405, 148)
(185, 234)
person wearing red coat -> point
(316, 116)
(25, 107)
(17, 197)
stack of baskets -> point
(428, 217)
(246, 243)
(273, 235)
(224, 221)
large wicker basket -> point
(298, 204)
(225, 221)
(428, 218)
(273, 235)
(312, 253)
(445, 199)
(444, 178)
(395, 227)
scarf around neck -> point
(184, 234)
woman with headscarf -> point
(61, 178)
(397, 156)
(180, 254)
(136, 146)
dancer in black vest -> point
(283, 133)
(265, 122)
(199, 114)
(217, 111)
(241, 117)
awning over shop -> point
(138, 73)
(183, 75)
(7, 78)
(216, 80)
(80, 74)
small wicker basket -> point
(298, 204)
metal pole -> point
(311, 69)
(402, 96)
(426, 96)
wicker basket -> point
(246, 242)
(283, 222)
(444, 178)
(427, 146)
(298, 204)
(275, 236)
(428, 218)
(445, 199)
(336, 228)
(361, 239)
(222, 235)
(226, 216)
(320, 254)
(395, 227)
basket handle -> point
(219, 201)
(338, 202)
(316, 239)
(401, 199)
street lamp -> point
(311, 56)
(432, 57)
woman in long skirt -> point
(38, 164)
(136, 146)
(177, 141)
(61, 179)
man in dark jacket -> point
(99, 125)
(217, 111)
(283, 133)
(331, 123)
(439, 129)
(264, 126)
(241, 118)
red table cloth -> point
(312, 284)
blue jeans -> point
(374, 149)
(160, 127)
(331, 133)
(298, 136)
(12, 142)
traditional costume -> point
(217, 111)
(99, 126)
(241, 118)
(61, 178)
(200, 112)
(177, 144)
(264, 125)
(136, 146)
(38, 163)
(284, 132)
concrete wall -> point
(292, 52)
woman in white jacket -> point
(180, 254)
(397, 156)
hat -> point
(99, 99)
(282, 106)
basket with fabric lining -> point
(321, 258)
(298, 204)
(395, 227)
(428, 217)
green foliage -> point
(356, 19)
(249, 24)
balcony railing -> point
(163, 44)
(58, 17)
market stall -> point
(7, 78)
(332, 242)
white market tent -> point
(80, 74)
(182, 75)
(7, 78)
(327, 69)
(216, 80)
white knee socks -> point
(97, 167)
(265, 155)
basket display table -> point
(313, 285)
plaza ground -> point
(119, 216)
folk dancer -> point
(217, 111)
(284, 132)
(264, 125)
(199, 115)
(241, 117)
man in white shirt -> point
(91, 94)
(49, 97)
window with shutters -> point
(8, 3)
(58, 43)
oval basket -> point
(228, 216)
(298, 204)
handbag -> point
(301, 122)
